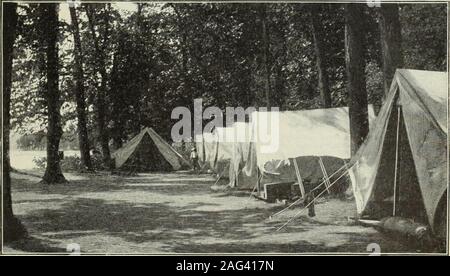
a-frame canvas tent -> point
(147, 151)
(401, 169)
(297, 145)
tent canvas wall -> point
(198, 142)
(224, 150)
(215, 150)
(147, 151)
(206, 149)
(240, 155)
(302, 136)
(401, 169)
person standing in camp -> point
(194, 159)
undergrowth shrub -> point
(71, 163)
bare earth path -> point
(174, 213)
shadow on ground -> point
(164, 213)
(32, 244)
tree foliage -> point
(144, 62)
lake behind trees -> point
(23, 160)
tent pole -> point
(394, 208)
(299, 178)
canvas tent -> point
(284, 143)
(401, 169)
(224, 147)
(215, 150)
(240, 155)
(200, 147)
(206, 145)
(147, 151)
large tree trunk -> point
(355, 49)
(187, 94)
(49, 25)
(391, 43)
(80, 94)
(265, 53)
(144, 83)
(317, 30)
(100, 106)
(12, 228)
(184, 60)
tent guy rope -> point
(312, 201)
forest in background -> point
(138, 64)
(103, 72)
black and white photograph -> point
(234, 128)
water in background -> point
(23, 160)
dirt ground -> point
(176, 213)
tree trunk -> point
(187, 94)
(12, 227)
(391, 43)
(100, 106)
(265, 53)
(279, 84)
(355, 68)
(144, 84)
(317, 30)
(80, 94)
(49, 17)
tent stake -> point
(394, 208)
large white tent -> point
(401, 169)
(281, 140)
